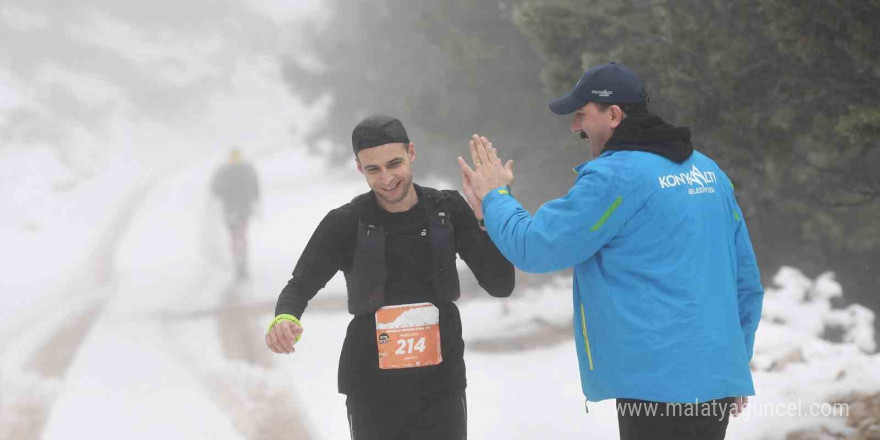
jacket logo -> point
(702, 179)
(603, 93)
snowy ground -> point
(167, 346)
(118, 316)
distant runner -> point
(237, 186)
(402, 365)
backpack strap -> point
(436, 206)
(365, 208)
(442, 236)
(367, 275)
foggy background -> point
(116, 292)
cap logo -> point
(603, 93)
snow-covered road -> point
(154, 339)
(151, 338)
(139, 374)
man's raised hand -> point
(487, 173)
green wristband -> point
(285, 317)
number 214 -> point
(405, 346)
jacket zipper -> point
(586, 339)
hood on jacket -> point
(646, 132)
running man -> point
(238, 188)
(396, 245)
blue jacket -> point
(667, 295)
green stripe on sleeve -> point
(607, 214)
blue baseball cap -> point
(609, 83)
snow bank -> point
(798, 314)
(807, 353)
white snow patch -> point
(88, 88)
(426, 315)
(803, 307)
(23, 20)
(175, 58)
(525, 312)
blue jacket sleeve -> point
(564, 231)
(750, 292)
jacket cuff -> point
(501, 191)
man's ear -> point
(617, 116)
(359, 166)
(411, 151)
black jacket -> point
(237, 185)
(409, 263)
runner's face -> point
(388, 169)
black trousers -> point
(436, 417)
(642, 419)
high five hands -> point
(488, 172)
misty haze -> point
(163, 165)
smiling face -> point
(597, 124)
(388, 170)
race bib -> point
(408, 336)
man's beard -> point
(584, 135)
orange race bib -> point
(408, 336)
